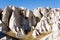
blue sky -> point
(30, 4)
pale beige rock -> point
(41, 27)
(21, 21)
(36, 13)
(5, 18)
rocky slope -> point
(19, 23)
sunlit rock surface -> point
(24, 24)
(50, 22)
(5, 19)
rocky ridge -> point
(20, 23)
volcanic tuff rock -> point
(22, 23)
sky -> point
(30, 4)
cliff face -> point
(24, 24)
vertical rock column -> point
(5, 19)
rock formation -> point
(22, 22)
(5, 19)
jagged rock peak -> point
(21, 20)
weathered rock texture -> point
(21, 22)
